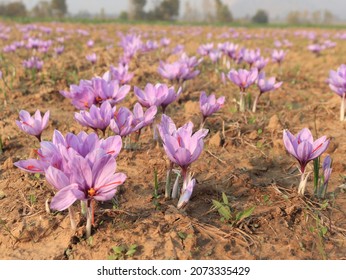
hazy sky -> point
(239, 8)
(92, 6)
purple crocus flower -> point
(166, 126)
(82, 95)
(152, 95)
(278, 55)
(303, 147)
(209, 105)
(260, 63)
(88, 181)
(205, 49)
(90, 43)
(264, 85)
(110, 91)
(186, 191)
(97, 117)
(229, 49)
(337, 83)
(121, 74)
(59, 50)
(316, 48)
(170, 71)
(184, 147)
(91, 58)
(121, 124)
(33, 63)
(327, 170)
(33, 125)
(215, 55)
(171, 97)
(243, 78)
(141, 118)
(251, 56)
(165, 42)
(125, 122)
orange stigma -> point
(91, 192)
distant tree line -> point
(54, 8)
(166, 10)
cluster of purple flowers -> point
(180, 70)
(80, 167)
(157, 95)
(33, 63)
(98, 90)
(244, 79)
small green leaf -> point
(118, 249)
(132, 250)
(225, 198)
(324, 231)
(223, 210)
(266, 198)
(244, 214)
(325, 205)
(182, 235)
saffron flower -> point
(125, 122)
(304, 149)
(243, 79)
(109, 91)
(151, 95)
(171, 97)
(79, 167)
(265, 85)
(59, 50)
(278, 56)
(186, 191)
(316, 48)
(97, 117)
(91, 58)
(88, 181)
(120, 74)
(184, 147)
(327, 170)
(260, 63)
(337, 83)
(33, 63)
(209, 105)
(251, 56)
(33, 125)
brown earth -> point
(244, 158)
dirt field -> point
(244, 156)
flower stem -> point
(168, 181)
(72, 220)
(176, 187)
(88, 224)
(316, 175)
(254, 106)
(342, 107)
(202, 122)
(83, 207)
(242, 102)
(302, 183)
